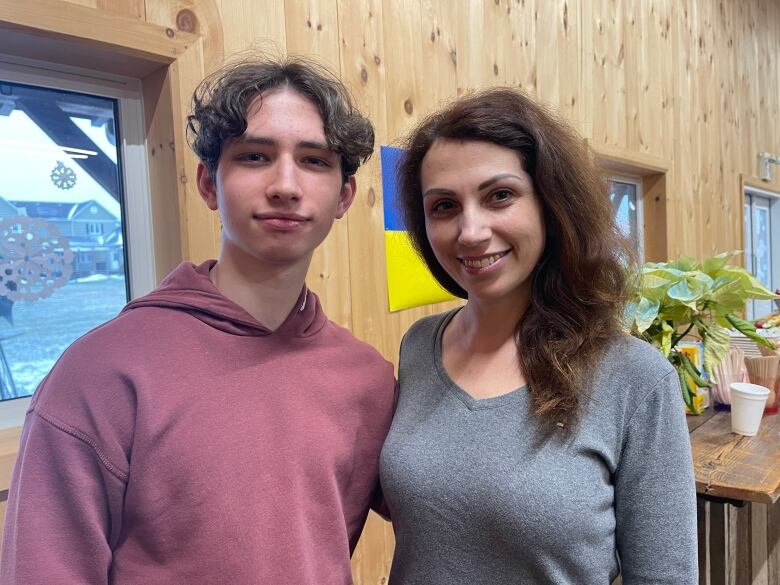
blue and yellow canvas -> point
(409, 283)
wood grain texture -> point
(741, 545)
(3, 506)
(690, 83)
(558, 56)
(362, 67)
(312, 29)
(773, 544)
(198, 17)
(128, 8)
(200, 228)
(757, 551)
(728, 465)
(520, 46)
(9, 445)
(161, 161)
(256, 26)
(702, 534)
(717, 545)
(96, 28)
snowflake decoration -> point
(62, 176)
(34, 258)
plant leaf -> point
(685, 263)
(747, 329)
(666, 338)
(716, 345)
(689, 395)
(712, 265)
(646, 312)
(687, 292)
(693, 372)
(749, 287)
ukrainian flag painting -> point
(409, 283)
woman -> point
(533, 442)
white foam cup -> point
(747, 407)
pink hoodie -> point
(182, 443)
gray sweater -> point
(477, 496)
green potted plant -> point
(683, 298)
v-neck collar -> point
(467, 399)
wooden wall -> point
(694, 83)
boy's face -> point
(278, 187)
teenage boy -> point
(221, 429)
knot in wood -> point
(187, 21)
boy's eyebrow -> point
(251, 139)
(314, 144)
(265, 141)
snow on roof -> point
(25, 169)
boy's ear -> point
(206, 187)
(346, 197)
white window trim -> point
(774, 224)
(137, 204)
(137, 193)
(640, 216)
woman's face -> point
(484, 221)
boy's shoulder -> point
(138, 328)
(104, 349)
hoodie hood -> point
(189, 289)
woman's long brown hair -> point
(580, 284)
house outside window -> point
(68, 218)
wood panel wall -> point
(692, 82)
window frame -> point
(132, 147)
(652, 171)
(170, 64)
(137, 205)
(773, 201)
(640, 217)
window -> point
(762, 256)
(95, 229)
(625, 193)
(75, 235)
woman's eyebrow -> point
(486, 183)
(438, 191)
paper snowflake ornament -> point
(35, 258)
(62, 176)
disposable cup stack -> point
(730, 369)
(765, 351)
(763, 372)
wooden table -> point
(732, 466)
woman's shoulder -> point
(634, 358)
(633, 376)
(630, 368)
(427, 327)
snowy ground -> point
(47, 326)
